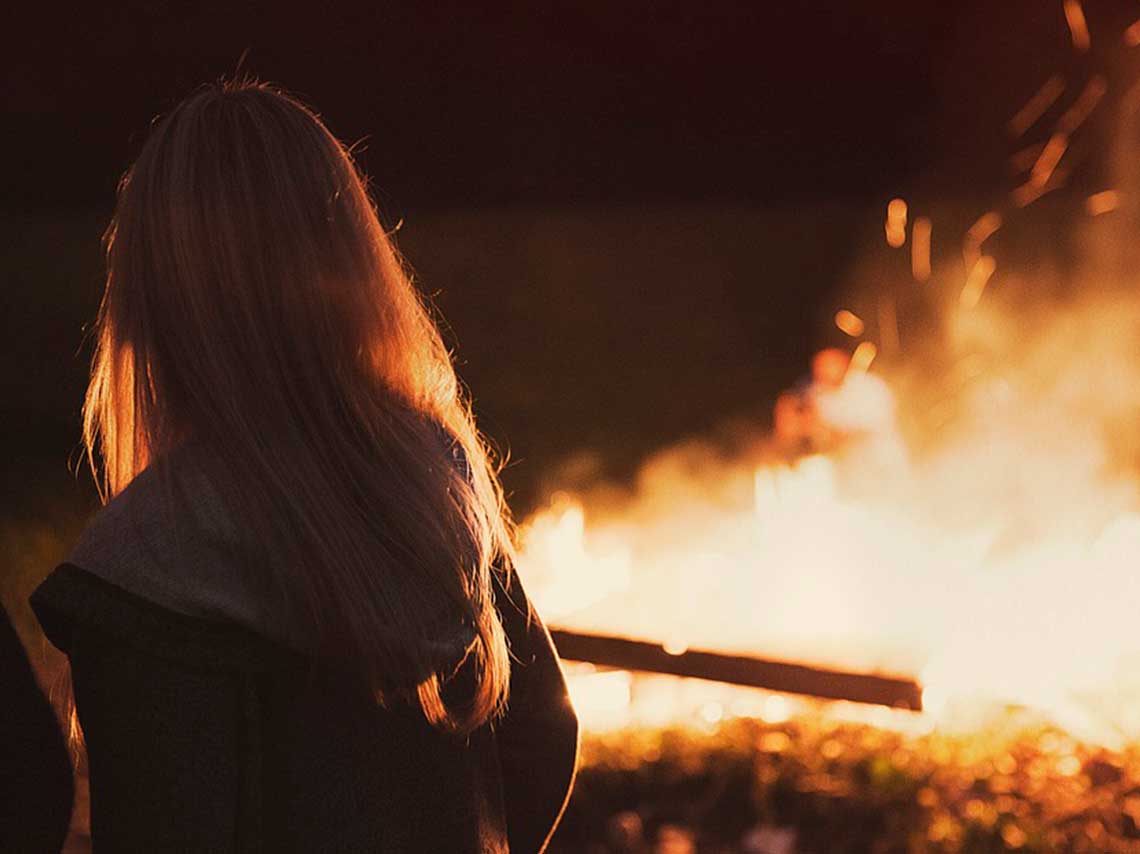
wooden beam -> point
(647, 657)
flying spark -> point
(1032, 190)
(976, 282)
(1036, 107)
(896, 223)
(982, 230)
(1078, 27)
(1102, 202)
(862, 358)
(1050, 156)
(849, 323)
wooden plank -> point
(647, 657)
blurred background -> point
(640, 223)
(618, 207)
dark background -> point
(637, 218)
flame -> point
(999, 566)
(967, 511)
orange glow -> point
(1078, 27)
(1132, 35)
(1027, 193)
(976, 282)
(862, 358)
(1050, 156)
(1031, 190)
(849, 323)
(896, 223)
(977, 568)
(1036, 107)
(920, 248)
(983, 228)
(1103, 202)
(968, 515)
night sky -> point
(564, 171)
(474, 104)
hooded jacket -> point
(209, 727)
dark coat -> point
(35, 773)
(207, 737)
(208, 731)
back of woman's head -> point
(255, 306)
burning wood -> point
(626, 654)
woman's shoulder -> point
(72, 601)
(167, 543)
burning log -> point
(644, 656)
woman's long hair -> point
(255, 305)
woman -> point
(294, 625)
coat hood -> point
(169, 538)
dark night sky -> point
(477, 109)
(472, 104)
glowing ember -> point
(849, 323)
(983, 229)
(1078, 28)
(1050, 156)
(896, 223)
(1101, 203)
(1132, 35)
(1038, 105)
(976, 282)
(862, 357)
